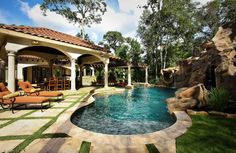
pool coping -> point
(162, 137)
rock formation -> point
(215, 67)
(186, 98)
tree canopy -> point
(174, 30)
(84, 12)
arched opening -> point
(38, 64)
(88, 68)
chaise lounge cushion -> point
(27, 87)
(28, 100)
(4, 93)
(3, 88)
(48, 94)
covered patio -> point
(36, 54)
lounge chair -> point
(9, 99)
(31, 91)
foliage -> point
(218, 99)
(86, 36)
(112, 40)
(84, 12)
(174, 30)
(209, 135)
(154, 81)
(228, 11)
(128, 49)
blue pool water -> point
(137, 111)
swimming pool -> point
(137, 111)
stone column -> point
(146, 75)
(106, 62)
(73, 74)
(92, 71)
(80, 74)
(20, 76)
(50, 64)
(11, 71)
(129, 75)
(85, 71)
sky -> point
(121, 15)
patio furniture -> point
(60, 84)
(30, 91)
(9, 99)
(66, 84)
(52, 85)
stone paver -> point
(62, 104)
(23, 127)
(48, 113)
(3, 121)
(55, 145)
(8, 145)
(18, 113)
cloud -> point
(51, 20)
(125, 21)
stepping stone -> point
(23, 127)
(9, 145)
(18, 113)
(49, 113)
(54, 145)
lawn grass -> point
(85, 147)
(209, 134)
(152, 148)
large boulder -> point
(188, 98)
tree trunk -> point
(165, 56)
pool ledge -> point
(164, 139)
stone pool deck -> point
(30, 130)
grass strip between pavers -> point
(38, 133)
(152, 148)
(85, 147)
(54, 135)
(16, 119)
(43, 117)
(3, 119)
(58, 107)
(13, 137)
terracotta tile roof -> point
(53, 35)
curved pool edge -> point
(183, 121)
(161, 138)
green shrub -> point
(218, 99)
(154, 81)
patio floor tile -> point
(18, 113)
(23, 127)
(62, 104)
(62, 145)
(9, 145)
(48, 113)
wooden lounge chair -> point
(8, 99)
(31, 91)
